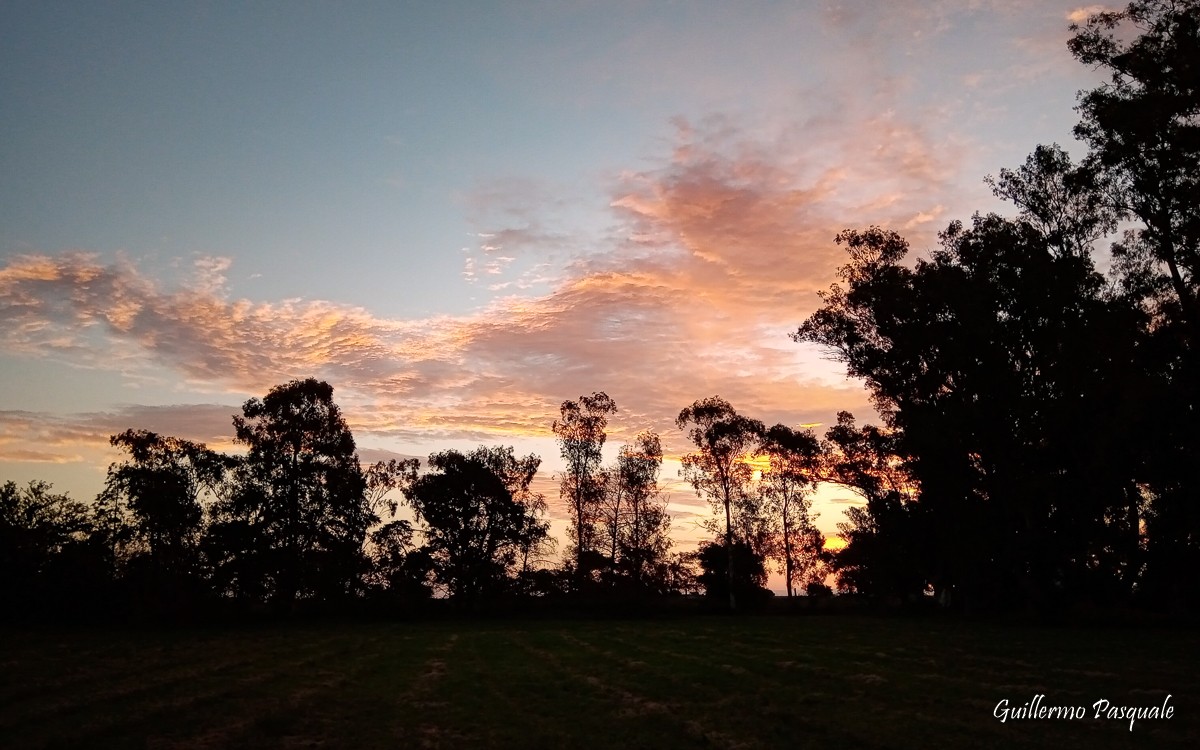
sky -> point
(462, 214)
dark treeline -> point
(297, 523)
(1039, 446)
(1037, 378)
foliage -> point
(295, 524)
(793, 470)
(49, 556)
(1143, 130)
(580, 431)
(886, 554)
(161, 484)
(719, 470)
(477, 521)
(748, 584)
(635, 519)
(989, 359)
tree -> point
(581, 434)
(1069, 204)
(47, 554)
(475, 525)
(161, 484)
(747, 585)
(1143, 131)
(1143, 128)
(384, 477)
(636, 521)
(399, 571)
(300, 507)
(533, 540)
(718, 470)
(998, 363)
(793, 458)
(886, 552)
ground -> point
(720, 682)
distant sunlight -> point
(834, 543)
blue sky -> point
(461, 214)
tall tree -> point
(991, 360)
(580, 430)
(301, 499)
(793, 461)
(1143, 128)
(886, 553)
(636, 522)
(718, 470)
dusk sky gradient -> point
(461, 214)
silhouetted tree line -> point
(1039, 443)
(296, 521)
(1038, 446)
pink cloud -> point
(712, 256)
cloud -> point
(711, 255)
(1083, 13)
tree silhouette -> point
(989, 360)
(48, 557)
(1143, 128)
(635, 518)
(399, 572)
(581, 434)
(384, 477)
(300, 505)
(160, 484)
(718, 470)
(887, 551)
(793, 463)
(475, 525)
(746, 586)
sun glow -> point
(834, 543)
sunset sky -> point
(461, 214)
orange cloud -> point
(1083, 13)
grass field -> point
(833, 682)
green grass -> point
(788, 682)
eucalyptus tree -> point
(719, 469)
(791, 475)
(994, 361)
(1142, 127)
(635, 520)
(1143, 130)
(580, 430)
